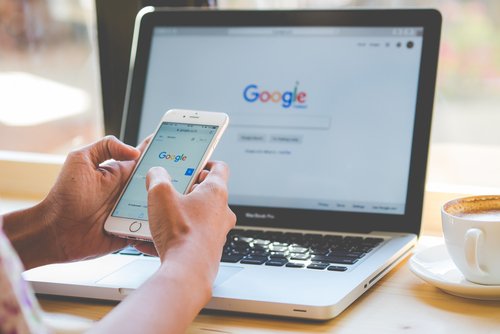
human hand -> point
(84, 194)
(190, 230)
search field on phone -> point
(281, 121)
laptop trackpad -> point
(225, 272)
(132, 275)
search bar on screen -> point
(312, 122)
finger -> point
(115, 243)
(161, 196)
(202, 176)
(216, 180)
(111, 148)
(218, 169)
(157, 176)
(123, 168)
(146, 248)
(142, 146)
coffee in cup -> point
(471, 228)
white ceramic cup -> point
(471, 228)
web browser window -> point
(320, 117)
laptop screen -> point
(321, 118)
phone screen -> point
(179, 148)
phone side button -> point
(135, 226)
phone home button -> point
(135, 226)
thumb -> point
(111, 148)
(161, 192)
(157, 176)
(161, 195)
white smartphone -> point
(182, 144)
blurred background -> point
(51, 83)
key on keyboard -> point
(296, 250)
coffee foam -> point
(484, 208)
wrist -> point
(192, 268)
(186, 277)
(31, 234)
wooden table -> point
(400, 302)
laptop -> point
(330, 116)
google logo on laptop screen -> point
(290, 98)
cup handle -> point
(473, 237)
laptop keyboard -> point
(296, 250)
(292, 250)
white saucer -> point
(435, 266)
